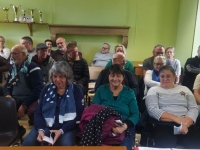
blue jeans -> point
(128, 141)
(66, 139)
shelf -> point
(89, 30)
(30, 25)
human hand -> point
(57, 135)
(40, 136)
(184, 129)
(21, 111)
(119, 129)
(9, 96)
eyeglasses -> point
(159, 53)
(15, 53)
(2, 41)
(104, 48)
(158, 64)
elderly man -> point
(62, 49)
(148, 63)
(129, 79)
(28, 43)
(4, 52)
(43, 60)
(79, 66)
(24, 82)
(191, 70)
(102, 58)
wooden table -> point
(138, 68)
(64, 148)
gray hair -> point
(160, 57)
(24, 50)
(61, 67)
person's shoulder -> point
(128, 89)
(7, 49)
(148, 59)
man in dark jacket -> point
(79, 66)
(129, 79)
(191, 70)
(24, 82)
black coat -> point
(191, 70)
(81, 72)
(129, 80)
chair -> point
(9, 127)
(94, 73)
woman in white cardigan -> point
(151, 77)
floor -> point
(24, 122)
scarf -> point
(67, 106)
(14, 73)
(155, 75)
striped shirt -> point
(178, 101)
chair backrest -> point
(94, 72)
(8, 121)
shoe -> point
(30, 122)
(22, 131)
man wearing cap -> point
(62, 49)
(43, 60)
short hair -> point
(61, 67)
(47, 40)
(107, 44)
(160, 57)
(116, 55)
(28, 39)
(168, 68)
(116, 69)
(71, 45)
(21, 47)
(2, 38)
(158, 45)
(169, 47)
(123, 48)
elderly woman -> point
(172, 105)
(122, 99)
(128, 64)
(152, 77)
(175, 63)
(59, 108)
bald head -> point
(61, 44)
(119, 58)
(19, 48)
(19, 54)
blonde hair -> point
(123, 48)
(160, 57)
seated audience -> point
(59, 108)
(5, 52)
(122, 99)
(129, 78)
(191, 70)
(148, 63)
(101, 58)
(43, 60)
(79, 66)
(62, 49)
(175, 63)
(28, 43)
(24, 82)
(49, 44)
(170, 105)
(128, 64)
